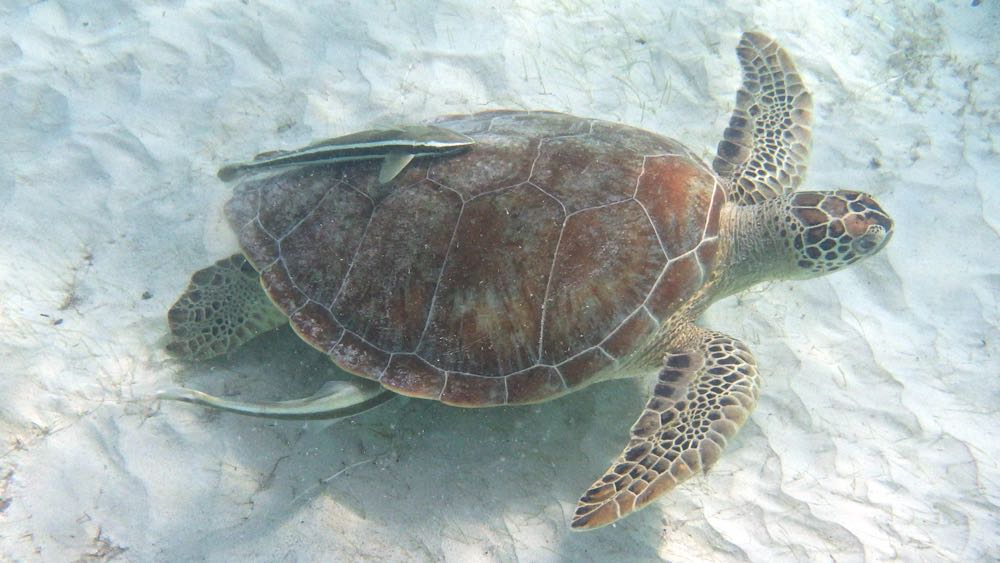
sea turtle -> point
(511, 257)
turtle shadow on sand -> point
(412, 468)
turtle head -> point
(826, 231)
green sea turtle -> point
(510, 257)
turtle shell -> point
(526, 267)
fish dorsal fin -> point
(392, 165)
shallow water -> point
(876, 433)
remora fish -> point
(336, 399)
(396, 147)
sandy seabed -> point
(877, 434)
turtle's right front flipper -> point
(395, 147)
(702, 397)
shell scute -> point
(285, 199)
(281, 288)
(533, 385)
(359, 357)
(608, 258)
(638, 141)
(584, 367)
(314, 324)
(318, 250)
(465, 390)
(498, 163)
(259, 247)
(387, 296)
(586, 171)
(485, 318)
(411, 376)
(678, 194)
(626, 338)
(680, 279)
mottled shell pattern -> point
(529, 266)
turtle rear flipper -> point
(222, 308)
(676, 436)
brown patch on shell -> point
(607, 259)
(281, 288)
(678, 282)
(258, 246)
(318, 251)
(630, 335)
(485, 318)
(288, 197)
(570, 169)
(584, 367)
(387, 295)
(358, 357)
(536, 384)
(409, 375)
(464, 390)
(497, 162)
(316, 325)
(678, 196)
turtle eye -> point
(864, 244)
(869, 241)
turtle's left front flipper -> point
(702, 397)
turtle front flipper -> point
(223, 307)
(702, 397)
(765, 150)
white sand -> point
(877, 434)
